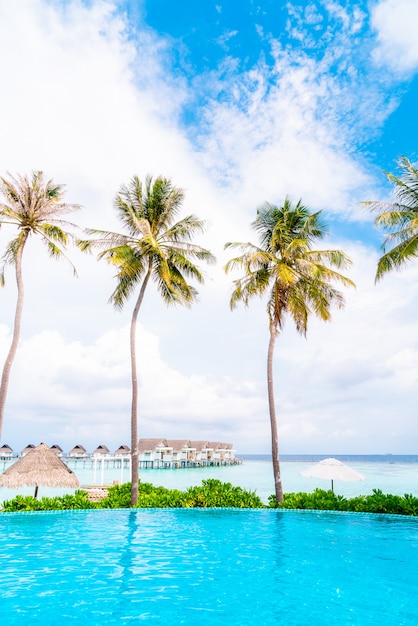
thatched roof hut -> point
(78, 452)
(57, 449)
(101, 451)
(6, 451)
(123, 450)
(40, 467)
(28, 448)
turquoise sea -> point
(396, 474)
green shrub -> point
(214, 493)
(377, 502)
(160, 497)
(118, 497)
(320, 500)
(28, 503)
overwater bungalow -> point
(123, 450)
(164, 453)
(101, 451)
(78, 452)
(180, 450)
(57, 449)
(226, 451)
(199, 450)
(28, 448)
(220, 451)
(151, 452)
(6, 452)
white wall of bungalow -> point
(174, 450)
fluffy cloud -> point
(337, 391)
(92, 103)
(394, 21)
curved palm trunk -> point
(134, 406)
(273, 421)
(16, 331)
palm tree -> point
(35, 206)
(295, 277)
(399, 219)
(154, 247)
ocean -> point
(396, 474)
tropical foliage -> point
(154, 247)
(398, 220)
(33, 206)
(295, 278)
(213, 493)
(377, 502)
(28, 503)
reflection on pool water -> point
(209, 567)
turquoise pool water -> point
(208, 567)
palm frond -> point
(406, 186)
(185, 229)
(104, 240)
(398, 256)
(399, 219)
(296, 305)
(251, 285)
(130, 272)
(10, 253)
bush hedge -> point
(214, 493)
(377, 502)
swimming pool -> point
(234, 567)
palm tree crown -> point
(154, 247)
(399, 220)
(284, 264)
(295, 278)
(35, 206)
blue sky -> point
(215, 47)
(238, 102)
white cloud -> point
(81, 392)
(395, 21)
(92, 106)
(348, 387)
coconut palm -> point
(154, 247)
(295, 279)
(34, 206)
(399, 220)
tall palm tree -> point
(295, 277)
(34, 206)
(155, 247)
(399, 219)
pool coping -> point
(217, 509)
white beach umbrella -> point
(332, 469)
